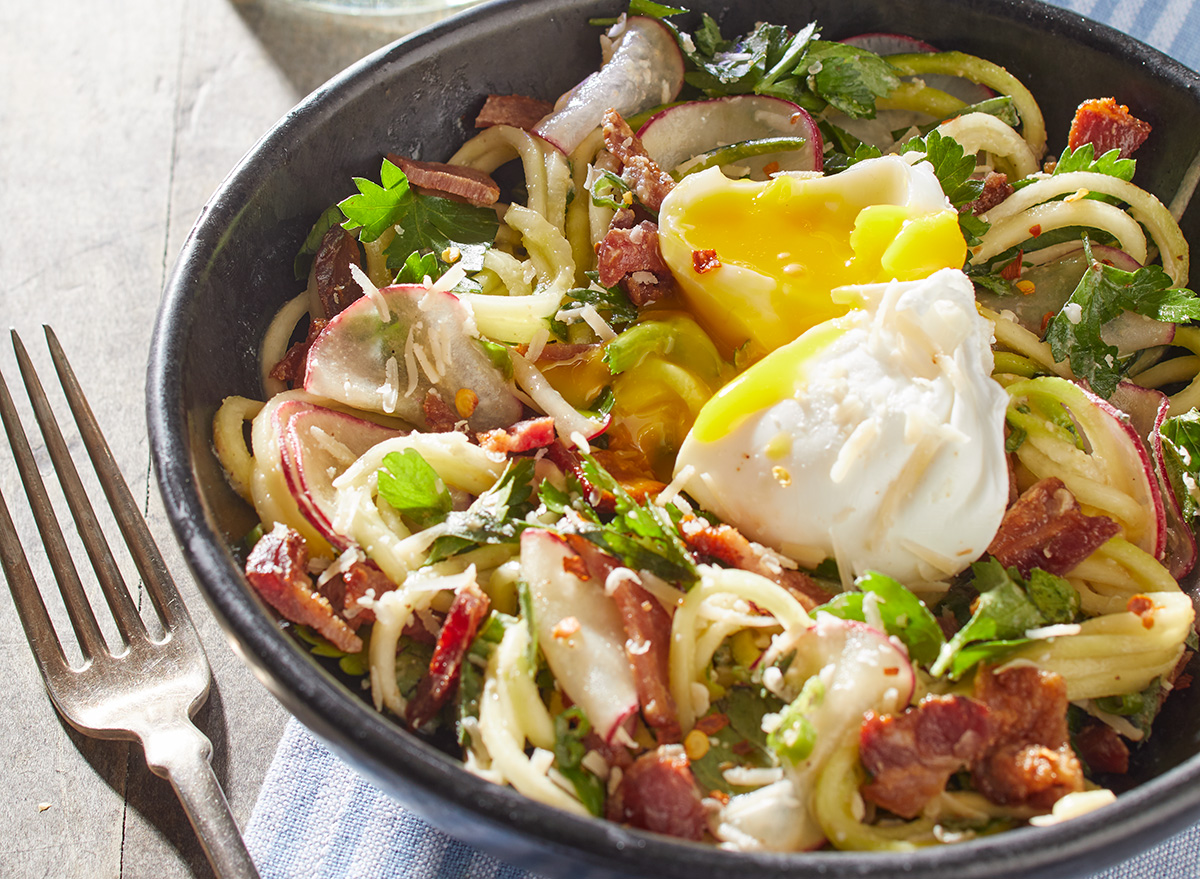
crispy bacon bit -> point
(359, 580)
(1107, 125)
(647, 638)
(729, 546)
(1031, 761)
(518, 111)
(458, 631)
(912, 755)
(449, 181)
(439, 417)
(632, 259)
(704, 261)
(277, 569)
(1046, 529)
(1012, 271)
(331, 270)
(996, 189)
(658, 793)
(524, 436)
(292, 365)
(1141, 606)
(649, 182)
(1102, 749)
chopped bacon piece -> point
(292, 365)
(524, 436)
(996, 188)
(649, 182)
(728, 545)
(445, 666)
(1102, 749)
(277, 569)
(359, 580)
(1046, 529)
(439, 416)
(331, 270)
(711, 724)
(632, 259)
(518, 111)
(449, 181)
(1031, 761)
(1107, 125)
(658, 793)
(912, 755)
(647, 638)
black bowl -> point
(417, 97)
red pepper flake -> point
(574, 564)
(771, 168)
(891, 672)
(1035, 231)
(1046, 318)
(565, 628)
(705, 261)
(1144, 608)
(711, 724)
(1012, 271)
(720, 796)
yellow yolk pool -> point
(784, 244)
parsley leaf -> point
(952, 166)
(1181, 454)
(1084, 158)
(904, 615)
(496, 517)
(847, 78)
(643, 536)
(570, 729)
(1103, 293)
(1007, 607)
(413, 487)
(423, 223)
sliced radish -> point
(1053, 278)
(676, 136)
(1147, 409)
(580, 632)
(899, 44)
(316, 445)
(385, 353)
(644, 71)
(862, 670)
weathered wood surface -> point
(117, 121)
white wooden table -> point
(118, 119)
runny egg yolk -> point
(782, 245)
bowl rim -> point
(366, 739)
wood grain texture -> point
(117, 122)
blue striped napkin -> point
(317, 819)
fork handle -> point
(182, 754)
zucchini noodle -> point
(977, 132)
(229, 442)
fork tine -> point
(142, 547)
(129, 623)
(31, 610)
(87, 633)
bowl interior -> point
(418, 98)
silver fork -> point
(147, 687)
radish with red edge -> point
(316, 444)
(580, 632)
(855, 669)
(733, 131)
(645, 70)
(1051, 278)
(898, 44)
(384, 354)
(1147, 410)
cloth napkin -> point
(317, 819)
